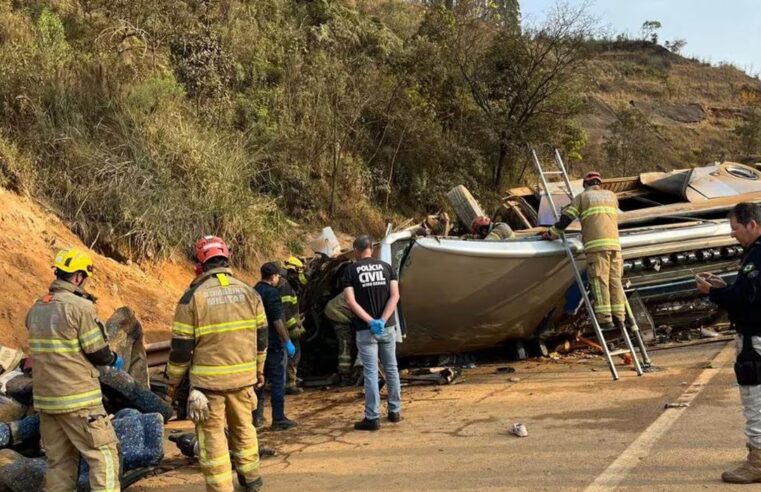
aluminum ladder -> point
(561, 171)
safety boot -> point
(252, 486)
(748, 472)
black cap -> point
(269, 269)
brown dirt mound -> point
(30, 238)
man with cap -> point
(67, 342)
(279, 349)
(597, 209)
(219, 336)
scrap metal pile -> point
(138, 414)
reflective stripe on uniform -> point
(618, 308)
(91, 337)
(571, 211)
(110, 473)
(243, 324)
(182, 329)
(599, 243)
(176, 371)
(222, 370)
(254, 465)
(56, 345)
(70, 402)
(223, 280)
(218, 461)
(599, 210)
(218, 477)
(289, 299)
(292, 322)
(261, 320)
(602, 309)
(246, 452)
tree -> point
(676, 46)
(650, 31)
(749, 131)
(631, 145)
(525, 84)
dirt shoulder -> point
(31, 236)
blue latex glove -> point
(290, 348)
(118, 363)
(377, 326)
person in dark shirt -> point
(742, 300)
(371, 289)
(277, 353)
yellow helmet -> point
(293, 263)
(73, 260)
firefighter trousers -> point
(231, 409)
(344, 337)
(89, 433)
(604, 270)
(293, 364)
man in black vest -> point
(742, 300)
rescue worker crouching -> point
(597, 209)
(483, 228)
(742, 300)
(219, 335)
(67, 342)
(291, 281)
(340, 316)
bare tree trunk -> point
(336, 161)
(391, 170)
(499, 165)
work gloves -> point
(290, 348)
(377, 326)
(118, 363)
(198, 406)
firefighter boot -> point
(748, 472)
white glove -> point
(198, 406)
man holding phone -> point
(742, 300)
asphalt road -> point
(586, 432)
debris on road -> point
(518, 429)
(430, 375)
(676, 405)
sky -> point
(715, 30)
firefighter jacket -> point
(499, 231)
(598, 211)
(290, 308)
(219, 333)
(742, 299)
(67, 341)
(337, 310)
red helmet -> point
(210, 247)
(592, 176)
(478, 223)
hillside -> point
(690, 109)
(32, 236)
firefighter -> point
(598, 209)
(67, 342)
(219, 334)
(742, 300)
(289, 285)
(339, 314)
(483, 228)
(296, 273)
